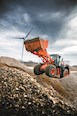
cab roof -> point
(56, 55)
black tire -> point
(49, 70)
(61, 72)
(64, 73)
(37, 70)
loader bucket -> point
(36, 44)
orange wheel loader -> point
(53, 65)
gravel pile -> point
(70, 85)
(21, 94)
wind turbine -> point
(23, 38)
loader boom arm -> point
(44, 56)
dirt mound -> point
(20, 93)
(73, 68)
(55, 83)
(70, 85)
(66, 87)
(11, 62)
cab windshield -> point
(53, 56)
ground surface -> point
(22, 93)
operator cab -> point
(56, 58)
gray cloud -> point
(47, 17)
(43, 5)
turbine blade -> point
(21, 38)
(28, 33)
(17, 37)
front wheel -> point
(37, 70)
(51, 71)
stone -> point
(22, 93)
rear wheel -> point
(51, 71)
(37, 70)
(64, 73)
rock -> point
(22, 93)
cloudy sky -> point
(55, 20)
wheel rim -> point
(66, 73)
(52, 71)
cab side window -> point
(58, 61)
